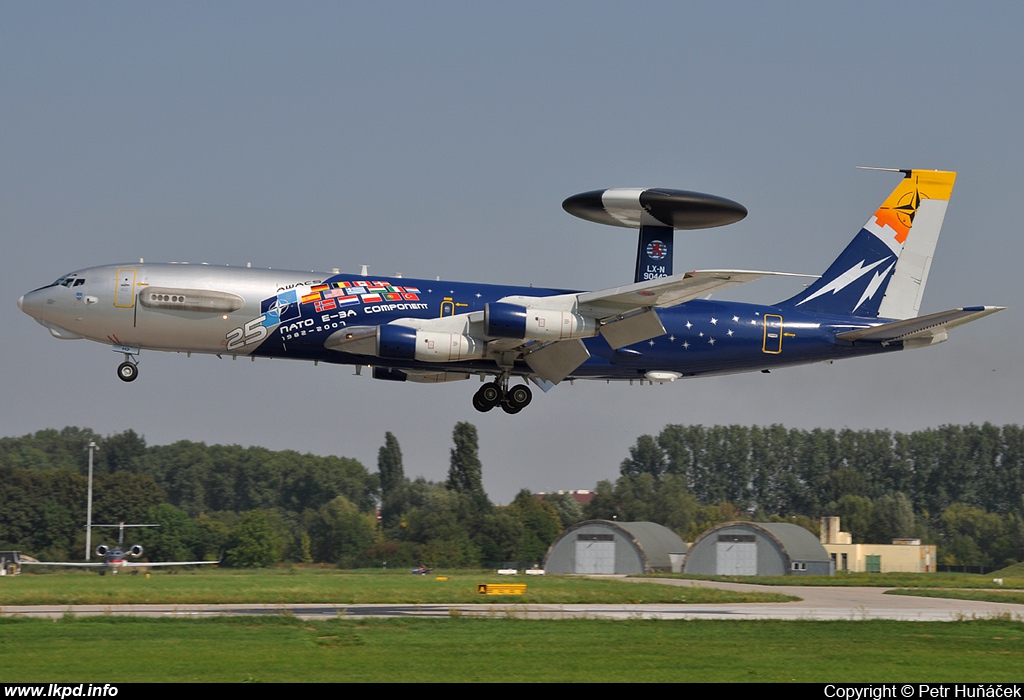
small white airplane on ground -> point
(115, 558)
(660, 328)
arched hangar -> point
(758, 549)
(609, 547)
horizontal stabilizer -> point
(923, 330)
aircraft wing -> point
(922, 330)
(627, 314)
(622, 315)
(670, 291)
(22, 562)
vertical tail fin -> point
(883, 271)
(653, 252)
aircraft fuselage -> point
(287, 314)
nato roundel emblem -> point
(656, 250)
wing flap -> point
(633, 329)
(555, 361)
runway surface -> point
(817, 603)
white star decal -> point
(735, 319)
(711, 341)
(714, 321)
(689, 325)
(672, 338)
(651, 343)
(729, 332)
(686, 345)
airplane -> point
(660, 328)
(115, 558)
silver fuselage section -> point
(167, 306)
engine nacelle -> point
(404, 343)
(101, 550)
(420, 376)
(136, 550)
(503, 320)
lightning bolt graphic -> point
(846, 279)
(873, 285)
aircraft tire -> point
(490, 393)
(510, 408)
(480, 405)
(519, 396)
(127, 372)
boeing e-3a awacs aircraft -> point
(658, 329)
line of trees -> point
(961, 487)
(258, 507)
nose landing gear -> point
(128, 370)
(497, 393)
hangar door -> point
(736, 555)
(595, 554)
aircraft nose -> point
(32, 303)
(29, 303)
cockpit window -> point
(69, 281)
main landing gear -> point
(498, 393)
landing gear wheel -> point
(516, 399)
(479, 404)
(487, 397)
(127, 372)
(491, 393)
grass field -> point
(282, 648)
(343, 587)
(285, 649)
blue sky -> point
(439, 139)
